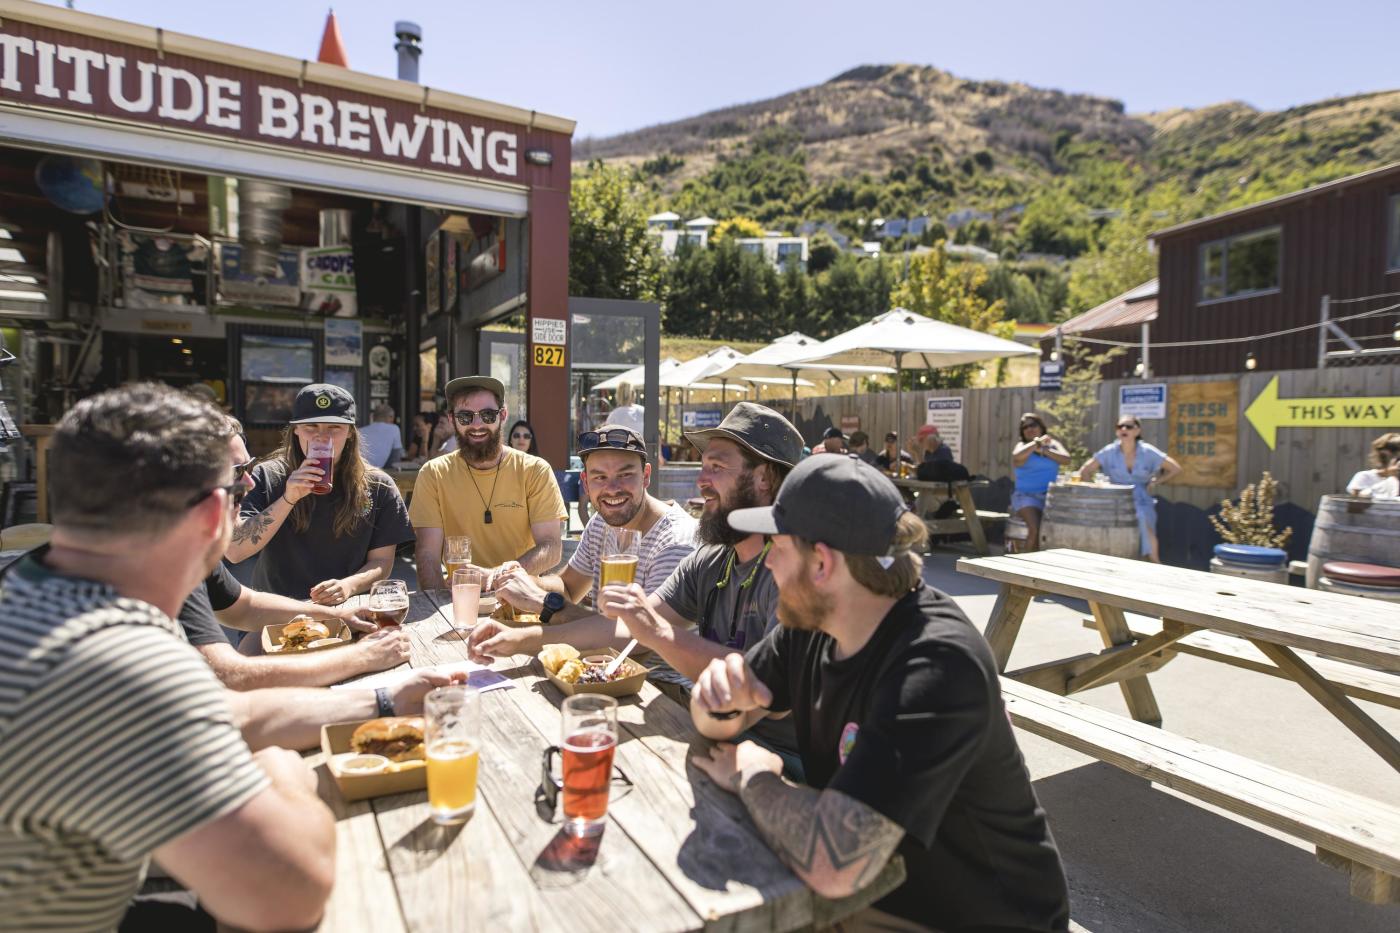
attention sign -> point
(1268, 413)
(1203, 433)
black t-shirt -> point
(913, 726)
(292, 562)
(883, 461)
(218, 591)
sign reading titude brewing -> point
(59, 70)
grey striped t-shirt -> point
(115, 738)
(662, 548)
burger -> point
(302, 631)
(398, 738)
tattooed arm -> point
(252, 530)
(833, 842)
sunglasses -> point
(241, 470)
(522, 436)
(466, 416)
(1127, 427)
(620, 439)
(236, 491)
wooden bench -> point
(1356, 834)
(969, 519)
(1358, 682)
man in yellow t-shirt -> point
(505, 500)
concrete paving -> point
(1144, 859)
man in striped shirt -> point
(117, 740)
(616, 474)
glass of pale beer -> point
(619, 561)
(456, 554)
(452, 720)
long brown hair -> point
(350, 490)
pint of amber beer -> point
(589, 741)
(453, 719)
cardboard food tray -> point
(272, 637)
(521, 620)
(622, 687)
(335, 740)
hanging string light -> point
(1250, 362)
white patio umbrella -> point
(911, 341)
(635, 376)
(695, 374)
(783, 356)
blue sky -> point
(614, 66)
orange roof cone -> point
(332, 48)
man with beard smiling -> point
(721, 598)
(505, 500)
(905, 741)
(616, 475)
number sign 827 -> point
(549, 356)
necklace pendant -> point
(486, 516)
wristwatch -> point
(553, 602)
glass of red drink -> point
(588, 743)
(323, 452)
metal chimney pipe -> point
(409, 47)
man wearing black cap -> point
(905, 743)
(616, 474)
(505, 500)
(833, 441)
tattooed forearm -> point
(252, 528)
(836, 844)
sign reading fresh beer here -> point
(1203, 433)
(1268, 413)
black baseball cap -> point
(758, 429)
(323, 403)
(611, 437)
(466, 383)
(833, 431)
(843, 502)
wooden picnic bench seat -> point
(1362, 683)
(1356, 834)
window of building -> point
(1393, 241)
(1239, 266)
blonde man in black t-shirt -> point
(897, 708)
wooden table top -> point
(1347, 627)
(678, 853)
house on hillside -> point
(674, 236)
(666, 220)
(1307, 279)
(780, 250)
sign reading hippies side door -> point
(53, 69)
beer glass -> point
(388, 603)
(619, 562)
(466, 598)
(456, 554)
(452, 728)
(323, 452)
(588, 743)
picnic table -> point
(678, 853)
(928, 495)
(1334, 647)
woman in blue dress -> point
(1131, 461)
(1037, 460)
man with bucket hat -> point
(905, 743)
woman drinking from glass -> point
(1037, 460)
(1131, 461)
(323, 522)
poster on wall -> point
(946, 414)
(432, 273)
(159, 271)
(1203, 433)
(328, 280)
(344, 342)
(1143, 401)
(235, 285)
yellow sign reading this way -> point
(1268, 412)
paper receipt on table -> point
(478, 676)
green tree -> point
(1055, 223)
(1123, 260)
(736, 228)
(1075, 407)
(610, 253)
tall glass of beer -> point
(589, 740)
(388, 603)
(619, 561)
(323, 452)
(456, 554)
(452, 720)
(466, 598)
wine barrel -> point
(1352, 529)
(1260, 572)
(1016, 535)
(1091, 517)
(1388, 594)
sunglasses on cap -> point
(466, 416)
(623, 440)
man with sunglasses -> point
(505, 500)
(616, 474)
(222, 600)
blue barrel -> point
(1268, 564)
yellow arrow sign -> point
(1268, 412)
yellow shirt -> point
(521, 491)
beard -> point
(714, 526)
(800, 606)
(619, 516)
(477, 452)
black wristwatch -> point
(383, 701)
(553, 602)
